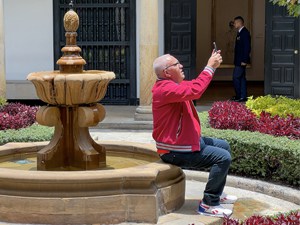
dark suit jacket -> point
(242, 47)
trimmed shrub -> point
(33, 133)
(259, 155)
(16, 116)
(291, 218)
(2, 101)
(275, 106)
(233, 115)
(278, 126)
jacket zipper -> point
(179, 126)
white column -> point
(2, 53)
(148, 47)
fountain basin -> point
(134, 194)
(56, 88)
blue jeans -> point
(214, 154)
(240, 82)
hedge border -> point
(258, 155)
(34, 133)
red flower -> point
(16, 116)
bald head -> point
(160, 64)
(168, 67)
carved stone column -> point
(148, 32)
(2, 62)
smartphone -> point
(215, 47)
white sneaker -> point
(227, 199)
(217, 211)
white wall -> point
(28, 29)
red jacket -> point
(176, 125)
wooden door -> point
(282, 52)
(180, 33)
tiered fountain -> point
(50, 191)
(72, 95)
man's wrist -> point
(210, 70)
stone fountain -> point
(72, 95)
(51, 192)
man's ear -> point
(167, 74)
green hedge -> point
(259, 155)
(33, 133)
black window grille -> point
(107, 38)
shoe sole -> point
(212, 215)
(227, 202)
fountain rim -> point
(143, 179)
(148, 149)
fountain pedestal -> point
(71, 146)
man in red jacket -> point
(177, 131)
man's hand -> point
(215, 60)
(244, 64)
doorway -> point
(202, 15)
(180, 33)
(282, 65)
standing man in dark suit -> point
(241, 59)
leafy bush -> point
(278, 106)
(259, 155)
(2, 101)
(277, 126)
(293, 6)
(233, 115)
(16, 116)
(292, 218)
(33, 133)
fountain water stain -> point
(74, 182)
(246, 207)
